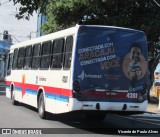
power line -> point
(15, 38)
(156, 3)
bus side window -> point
(57, 54)
(27, 60)
(9, 63)
(68, 52)
(20, 60)
(36, 56)
(14, 65)
(45, 56)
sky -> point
(18, 29)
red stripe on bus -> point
(8, 83)
(105, 94)
(52, 90)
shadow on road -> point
(78, 121)
(81, 125)
(109, 126)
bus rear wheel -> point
(41, 106)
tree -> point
(137, 14)
(29, 6)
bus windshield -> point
(109, 58)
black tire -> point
(41, 106)
(14, 102)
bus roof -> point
(47, 37)
(63, 33)
(113, 27)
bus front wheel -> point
(41, 106)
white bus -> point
(89, 68)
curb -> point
(147, 114)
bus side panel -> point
(17, 84)
(30, 87)
(56, 95)
(8, 87)
(62, 104)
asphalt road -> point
(23, 116)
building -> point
(5, 43)
(41, 19)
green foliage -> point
(66, 13)
(137, 14)
(29, 6)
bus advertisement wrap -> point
(111, 59)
